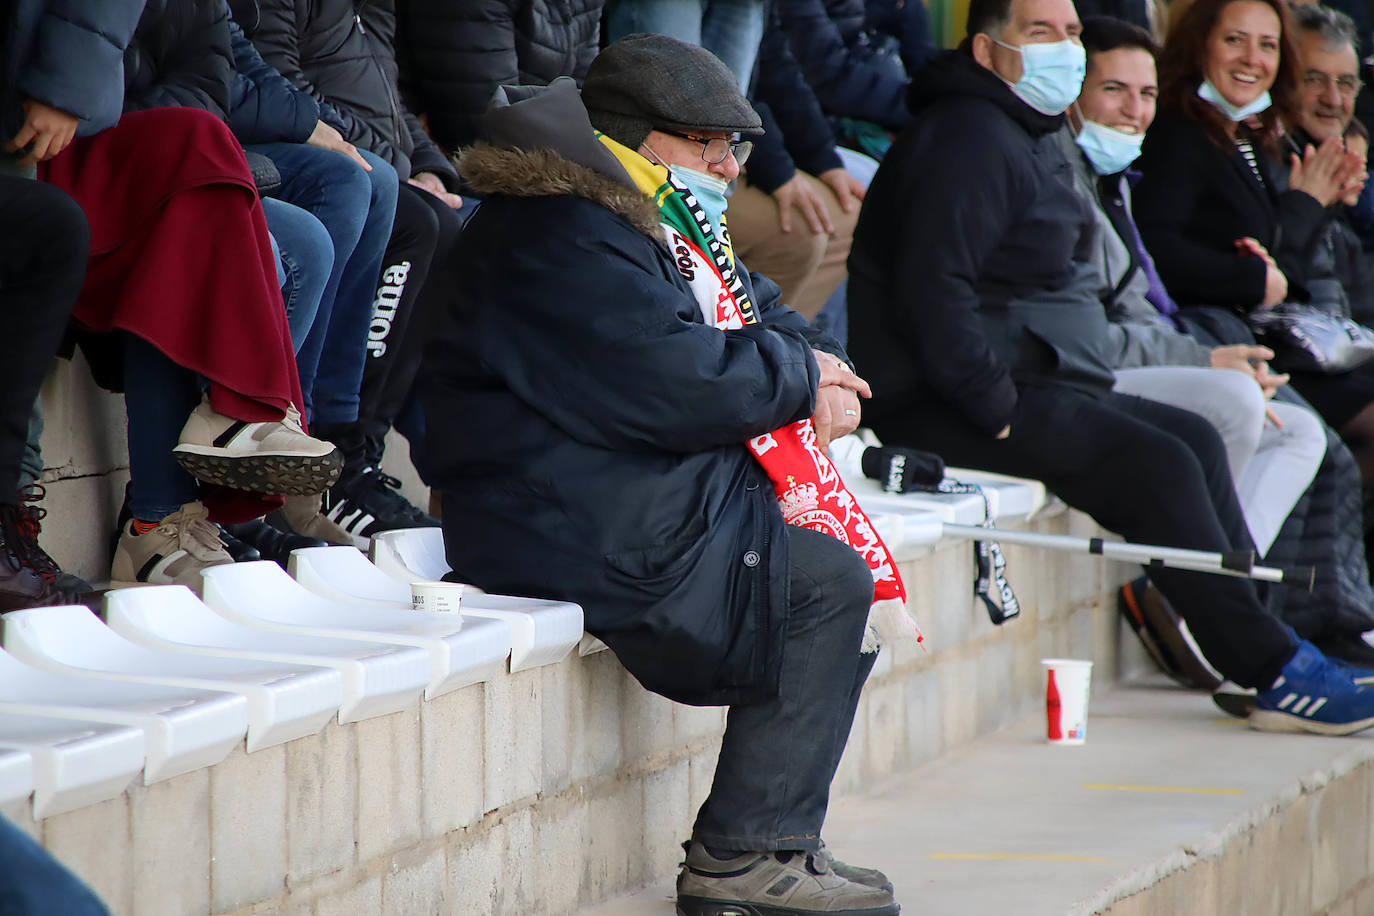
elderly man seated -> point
(592, 398)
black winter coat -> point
(458, 51)
(1196, 197)
(852, 75)
(68, 54)
(796, 134)
(343, 52)
(588, 428)
(180, 57)
(970, 268)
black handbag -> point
(265, 174)
(1306, 339)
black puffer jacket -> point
(180, 57)
(458, 51)
(344, 52)
(65, 53)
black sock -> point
(722, 855)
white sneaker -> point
(173, 553)
(265, 457)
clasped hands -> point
(837, 399)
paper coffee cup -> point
(1066, 699)
(439, 597)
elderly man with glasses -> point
(621, 416)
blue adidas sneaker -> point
(1315, 695)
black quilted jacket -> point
(457, 52)
(344, 52)
(180, 57)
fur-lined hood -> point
(490, 169)
(537, 141)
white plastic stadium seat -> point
(542, 632)
(186, 728)
(411, 554)
(378, 678)
(285, 701)
(74, 762)
(262, 594)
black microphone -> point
(901, 470)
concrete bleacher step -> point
(285, 701)
(378, 677)
(186, 728)
(71, 763)
(1169, 809)
(261, 594)
(542, 632)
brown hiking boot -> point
(22, 586)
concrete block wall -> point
(547, 790)
(86, 464)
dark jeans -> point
(1154, 474)
(158, 397)
(44, 244)
(33, 883)
(357, 209)
(772, 782)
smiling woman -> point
(1224, 61)
(1232, 209)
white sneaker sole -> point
(1269, 720)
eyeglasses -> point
(716, 149)
(1346, 85)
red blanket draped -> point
(180, 256)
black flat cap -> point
(646, 82)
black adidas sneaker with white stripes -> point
(370, 502)
(264, 457)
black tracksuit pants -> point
(415, 283)
(1152, 473)
(44, 245)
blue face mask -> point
(709, 190)
(1209, 94)
(1109, 150)
(1051, 75)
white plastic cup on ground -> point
(1066, 699)
(437, 597)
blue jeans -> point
(305, 258)
(357, 208)
(779, 756)
(33, 883)
(729, 29)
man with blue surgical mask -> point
(974, 310)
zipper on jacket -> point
(358, 21)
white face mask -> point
(1209, 94)
(1108, 149)
(1051, 74)
(708, 189)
